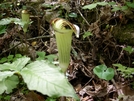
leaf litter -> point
(104, 46)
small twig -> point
(40, 37)
(10, 48)
(83, 17)
(119, 90)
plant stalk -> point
(64, 47)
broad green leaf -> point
(103, 72)
(108, 74)
(98, 70)
(11, 83)
(90, 6)
(129, 49)
(2, 29)
(5, 74)
(2, 87)
(16, 65)
(47, 79)
(102, 3)
(7, 21)
(18, 21)
(8, 84)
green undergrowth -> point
(40, 75)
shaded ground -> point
(111, 32)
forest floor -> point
(106, 37)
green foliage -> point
(7, 21)
(40, 75)
(125, 71)
(73, 15)
(2, 29)
(50, 99)
(130, 4)
(129, 49)
(47, 6)
(93, 5)
(42, 56)
(87, 34)
(25, 18)
(5, 98)
(115, 7)
(10, 58)
(16, 21)
(103, 72)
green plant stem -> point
(64, 46)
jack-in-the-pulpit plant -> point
(63, 31)
(25, 19)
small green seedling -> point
(10, 58)
(87, 34)
(129, 49)
(25, 17)
(125, 71)
(103, 72)
(51, 99)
